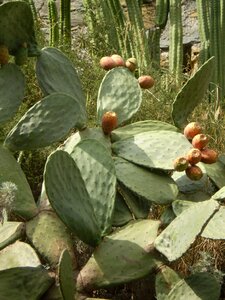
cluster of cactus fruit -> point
(199, 152)
(115, 60)
(99, 179)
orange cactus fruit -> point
(4, 55)
(180, 164)
(194, 156)
(192, 129)
(109, 122)
(118, 60)
(200, 140)
(146, 81)
(194, 173)
(107, 63)
(209, 156)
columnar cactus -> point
(96, 181)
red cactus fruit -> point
(4, 55)
(118, 60)
(180, 164)
(107, 63)
(192, 129)
(146, 82)
(200, 141)
(131, 64)
(194, 156)
(109, 122)
(209, 156)
(194, 173)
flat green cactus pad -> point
(17, 27)
(132, 129)
(55, 73)
(121, 257)
(98, 172)
(174, 240)
(153, 149)
(192, 93)
(10, 232)
(167, 216)
(215, 227)
(24, 283)
(216, 173)
(160, 188)
(46, 122)
(199, 286)
(12, 88)
(68, 196)
(13, 183)
(165, 280)
(138, 206)
(66, 280)
(119, 92)
(180, 205)
(121, 214)
(57, 237)
(18, 254)
(219, 195)
(87, 133)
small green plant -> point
(99, 180)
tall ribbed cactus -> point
(176, 40)
(59, 23)
(53, 23)
(154, 34)
(211, 29)
(65, 23)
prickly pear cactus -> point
(17, 27)
(99, 188)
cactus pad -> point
(153, 149)
(12, 87)
(98, 172)
(57, 237)
(68, 196)
(18, 254)
(31, 283)
(216, 173)
(199, 286)
(121, 257)
(174, 241)
(165, 280)
(192, 93)
(12, 176)
(219, 195)
(121, 214)
(180, 205)
(138, 206)
(17, 27)
(87, 133)
(215, 227)
(66, 279)
(135, 178)
(10, 232)
(119, 92)
(55, 73)
(139, 127)
(46, 122)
